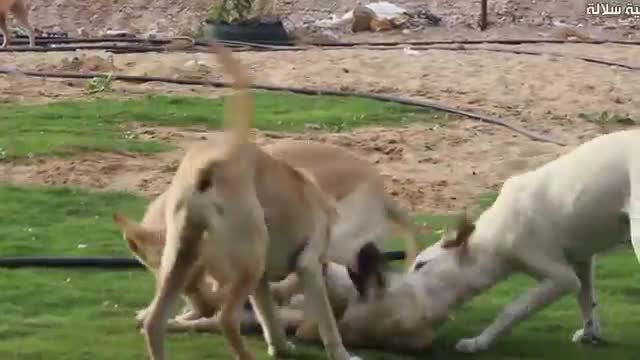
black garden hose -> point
(111, 263)
(40, 40)
(70, 262)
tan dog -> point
(19, 9)
(364, 207)
(263, 219)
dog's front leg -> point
(560, 279)
(272, 327)
(591, 331)
(318, 306)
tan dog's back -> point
(337, 170)
(358, 190)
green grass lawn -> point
(64, 128)
(88, 314)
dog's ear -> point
(120, 219)
(463, 232)
(369, 269)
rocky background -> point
(508, 18)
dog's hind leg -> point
(231, 311)
(558, 279)
(172, 280)
(267, 314)
(591, 331)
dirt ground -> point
(427, 168)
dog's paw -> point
(471, 346)
(588, 337)
(141, 315)
(287, 349)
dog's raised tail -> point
(239, 116)
(402, 218)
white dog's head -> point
(451, 248)
(402, 310)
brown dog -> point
(262, 218)
(19, 9)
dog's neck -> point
(454, 281)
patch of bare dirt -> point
(426, 168)
(84, 62)
(438, 169)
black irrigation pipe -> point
(70, 262)
(472, 42)
(113, 263)
(55, 40)
(96, 40)
(120, 49)
(305, 91)
(509, 51)
(464, 48)
(113, 48)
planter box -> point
(253, 31)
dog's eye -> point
(419, 265)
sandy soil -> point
(439, 169)
(426, 168)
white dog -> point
(548, 223)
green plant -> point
(234, 11)
(99, 84)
